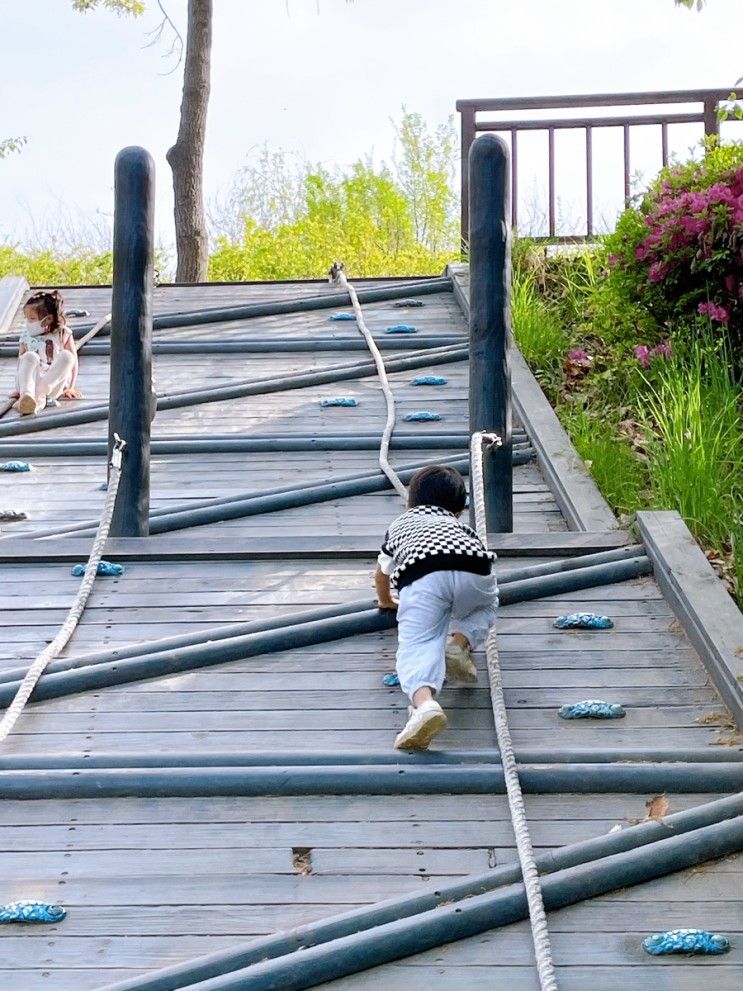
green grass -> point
(616, 469)
(695, 432)
(542, 339)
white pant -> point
(429, 609)
(33, 382)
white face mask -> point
(35, 328)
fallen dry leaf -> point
(657, 807)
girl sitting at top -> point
(47, 357)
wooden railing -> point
(472, 125)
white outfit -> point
(429, 607)
(46, 368)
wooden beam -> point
(69, 550)
(712, 621)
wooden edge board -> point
(12, 290)
(27, 550)
(575, 492)
(712, 621)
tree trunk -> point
(186, 157)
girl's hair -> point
(49, 304)
(438, 485)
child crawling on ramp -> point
(448, 596)
(47, 357)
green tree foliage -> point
(287, 219)
(120, 7)
(10, 145)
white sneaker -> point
(459, 663)
(424, 723)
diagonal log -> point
(597, 862)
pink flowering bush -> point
(680, 253)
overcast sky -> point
(321, 77)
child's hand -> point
(72, 394)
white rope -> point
(338, 278)
(73, 617)
(540, 933)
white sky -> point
(318, 76)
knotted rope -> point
(73, 617)
(540, 933)
(338, 278)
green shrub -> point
(680, 252)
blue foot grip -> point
(342, 316)
(15, 466)
(407, 302)
(401, 328)
(391, 680)
(592, 709)
(685, 941)
(339, 401)
(31, 912)
(429, 380)
(422, 416)
(583, 621)
(105, 568)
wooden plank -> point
(12, 290)
(320, 546)
(708, 614)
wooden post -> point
(468, 136)
(490, 320)
(131, 396)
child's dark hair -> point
(438, 485)
(49, 304)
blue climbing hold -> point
(685, 941)
(429, 380)
(105, 568)
(583, 621)
(342, 316)
(401, 328)
(391, 679)
(339, 401)
(592, 709)
(407, 302)
(15, 466)
(51, 403)
(422, 416)
(31, 912)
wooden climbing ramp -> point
(199, 810)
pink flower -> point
(714, 312)
(661, 349)
(642, 353)
(578, 355)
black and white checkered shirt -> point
(429, 538)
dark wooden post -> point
(468, 136)
(490, 320)
(131, 336)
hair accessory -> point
(685, 941)
(583, 621)
(422, 416)
(339, 401)
(31, 912)
(105, 568)
(592, 709)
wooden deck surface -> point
(151, 882)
